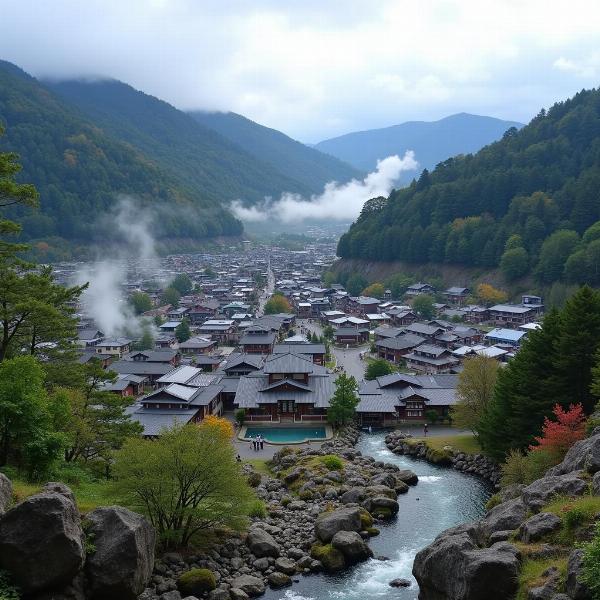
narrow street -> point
(267, 291)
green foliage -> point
(398, 284)
(8, 591)
(591, 564)
(539, 183)
(524, 468)
(356, 284)
(146, 342)
(254, 479)
(196, 582)
(514, 263)
(186, 482)
(432, 416)
(183, 331)
(170, 296)
(375, 290)
(276, 304)
(342, 406)
(423, 306)
(331, 558)
(332, 462)
(240, 416)
(141, 302)
(257, 509)
(183, 284)
(377, 368)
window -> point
(277, 376)
(298, 376)
(414, 413)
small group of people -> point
(257, 442)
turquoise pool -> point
(291, 435)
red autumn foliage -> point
(559, 435)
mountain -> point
(80, 170)
(432, 142)
(310, 167)
(529, 203)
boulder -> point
(454, 567)
(381, 506)
(354, 495)
(253, 586)
(506, 516)
(342, 519)
(6, 493)
(330, 558)
(386, 479)
(399, 582)
(121, 564)
(41, 542)
(218, 594)
(237, 594)
(60, 488)
(381, 490)
(352, 546)
(543, 490)
(584, 454)
(262, 543)
(538, 526)
(407, 476)
(573, 586)
(285, 565)
(278, 580)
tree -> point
(209, 273)
(141, 302)
(276, 304)
(489, 295)
(183, 284)
(328, 332)
(170, 296)
(98, 423)
(423, 306)
(559, 435)
(576, 350)
(378, 368)
(342, 406)
(220, 424)
(355, 284)
(146, 342)
(328, 278)
(554, 254)
(514, 263)
(524, 393)
(474, 391)
(375, 290)
(182, 331)
(26, 414)
(187, 481)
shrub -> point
(240, 416)
(573, 518)
(514, 469)
(493, 501)
(285, 501)
(257, 509)
(196, 582)
(590, 574)
(7, 590)
(332, 462)
(254, 479)
(526, 468)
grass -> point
(463, 442)
(260, 465)
(575, 513)
(531, 574)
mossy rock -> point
(366, 520)
(382, 512)
(254, 479)
(493, 501)
(439, 457)
(331, 558)
(196, 582)
(372, 531)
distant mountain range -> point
(432, 142)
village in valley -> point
(279, 368)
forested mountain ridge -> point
(526, 203)
(304, 164)
(431, 141)
(203, 159)
(79, 170)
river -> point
(443, 498)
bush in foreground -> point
(196, 582)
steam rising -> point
(104, 299)
(340, 202)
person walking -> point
(255, 444)
(425, 429)
(262, 442)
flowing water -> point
(443, 498)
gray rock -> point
(342, 519)
(386, 479)
(380, 505)
(172, 595)
(352, 546)
(278, 580)
(253, 586)
(217, 594)
(543, 490)
(73, 591)
(122, 562)
(6, 493)
(354, 495)
(262, 543)
(584, 454)
(41, 542)
(407, 476)
(237, 594)
(538, 526)
(596, 484)
(500, 536)
(59, 488)
(506, 516)
(285, 565)
(261, 564)
(454, 567)
(297, 505)
(399, 582)
(381, 490)
(573, 586)
(510, 492)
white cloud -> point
(337, 202)
(586, 67)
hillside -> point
(432, 142)
(80, 171)
(308, 166)
(524, 203)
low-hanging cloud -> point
(339, 202)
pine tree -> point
(576, 349)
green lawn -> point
(260, 464)
(463, 442)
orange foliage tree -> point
(489, 295)
(220, 424)
(559, 435)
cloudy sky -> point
(318, 68)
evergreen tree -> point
(182, 331)
(183, 284)
(576, 349)
(524, 394)
(345, 400)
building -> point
(197, 345)
(114, 346)
(289, 388)
(513, 315)
(395, 349)
(220, 330)
(258, 340)
(316, 352)
(431, 359)
(457, 295)
(507, 337)
(416, 289)
(351, 336)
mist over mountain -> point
(432, 142)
